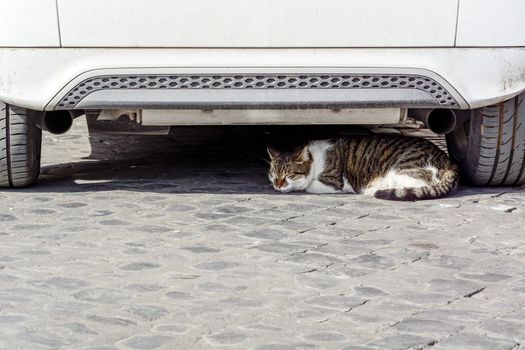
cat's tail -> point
(447, 184)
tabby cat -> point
(387, 167)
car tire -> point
(489, 146)
(20, 144)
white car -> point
(458, 65)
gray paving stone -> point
(325, 336)
(144, 288)
(114, 222)
(425, 298)
(244, 302)
(60, 283)
(216, 265)
(373, 261)
(7, 319)
(201, 249)
(146, 342)
(154, 229)
(485, 277)
(455, 314)
(148, 312)
(101, 295)
(270, 234)
(7, 217)
(336, 302)
(476, 342)
(317, 280)
(262, 327)
(77, 328)
(508, 329)
(312, 260)
(404, 341)
(455, 286)
(138, 266)
(227, 338)
(40, 338)
(368, 292)
(173, 328)
(282, 346)
(282, 248)
(112, 321)
(448, 262)
(422, 326)
(179, 295)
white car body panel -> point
(491, 23)
(29, 23)
(255, 23)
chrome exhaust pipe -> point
(56, 122)
(439, 121)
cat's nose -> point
(280, 183)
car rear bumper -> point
(50, 79)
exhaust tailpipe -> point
(439, 121)
(442, 121)
(56, 122)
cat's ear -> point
(272, 152)
(304, 155)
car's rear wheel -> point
(489, 147)
(20, 143)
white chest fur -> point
(318, 150)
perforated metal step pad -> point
(440, 95)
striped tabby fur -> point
(387, 167)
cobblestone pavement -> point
(180, 243)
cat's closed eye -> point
(294, 176)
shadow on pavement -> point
(189, 160)
(221, 160)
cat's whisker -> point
(267, 161)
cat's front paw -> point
(317, 187)
(284, 190)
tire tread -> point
(496, 145)
(20, 142)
